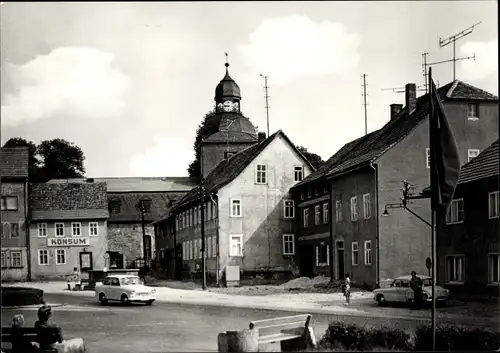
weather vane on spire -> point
(227, 60)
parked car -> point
(124, 288)
(400, 291)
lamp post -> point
(142, 209)
(202, 220)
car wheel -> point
(124, 299)
(381, 300)
(102, 299)
(149, 302)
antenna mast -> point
(266, 96)
(364, 102)
(453, 39)
(401, 89)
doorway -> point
(339, 245)
(115, 259)
(306, 261)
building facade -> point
(14, 213)
(68, 228)
(468, 245)
(364, 178)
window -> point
(209, 247)
(214, 246)
(302, 196)
(471, 154)
(196, 249)
(316, 215)
(261, 174)
(4, 259)
(209, 210)
(322, 254)
(228, 154)
(367, 209)
(368, 252)
(146, 206)
(289, 208)
(235, 208)
(115, 207)
(76, 229)
(59, 229)
(472, 111)
(235, 246)
(306, 217)
(298, 173)
(43, 257)
(338, 211)
(355, 253)
(14, 230)
(42, 229)
(9, 203)
(316, 192)
(16, 259)
(325, 213)
(493, 205)
(455, 268)
(428, 157)
(93, 229)
(493, 269)
(308, 194)
(354, 208)
(60, 256)
(288, 244)
(455, 212)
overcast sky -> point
(130, 82)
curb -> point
(54, 305)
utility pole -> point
(453, 39)
(266, 96)
(203, 246)
(364, 102)
(142, 209)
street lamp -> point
(141, 207)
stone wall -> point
(126, 238)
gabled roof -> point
(227, 170)
(139, 184)
(368, 148)
(485, 165)
(14, 162)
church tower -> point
(228, 131)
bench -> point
(292, 332)
(30, 334)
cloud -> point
(70, 81)
(168, 156)
(292, 47)
(486, 63)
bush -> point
(453, 338)
(351, 337)
(18, 296)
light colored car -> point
(400, 291)
(124, 288)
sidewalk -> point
(315, 303)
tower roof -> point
(227, 88)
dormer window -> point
(115, 207)
(472, 111)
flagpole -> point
(433, 211)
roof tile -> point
(483, 166)
(14, 162)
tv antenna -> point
(266, 96)
(453, 39)
(401, 89)
(364, 102)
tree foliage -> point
(316, 161)
(51, 159)
(194, 168)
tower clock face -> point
(228, 106)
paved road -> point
(165, 327)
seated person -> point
(19, 343)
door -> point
(397, 293)
(306, 261)
(340, 259)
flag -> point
(444, 156)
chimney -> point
(395, 109)
(410, 97)
(262, 136)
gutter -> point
(27, 226)
(377, 236)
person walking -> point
(347, 289)
(416, 285)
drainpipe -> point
(330, 219)
(377, 261)
(27, 226)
